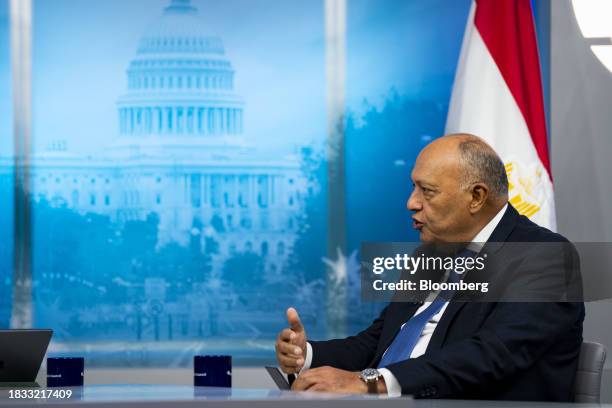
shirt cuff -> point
(394, 389)
(308, 359)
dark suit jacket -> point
(479, 350)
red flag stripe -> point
(507, 29)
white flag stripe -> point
(482, 104)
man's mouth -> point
(416, 224)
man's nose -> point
(414, 203)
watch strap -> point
(373, 386)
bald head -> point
(477, 162)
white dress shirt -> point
(394, 388)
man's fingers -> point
(294, 320)
(308, 379)
(286, 334)
(289, 349)
(302, 383)
(318, 387)
(289, 370)
(290, 360)
(287, 361)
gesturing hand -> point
(291, 344)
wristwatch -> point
(371, 376)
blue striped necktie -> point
(403, 344)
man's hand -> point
(291, 344)
(331, 379)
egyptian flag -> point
(497, 95)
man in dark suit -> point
(470, 350)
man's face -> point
(440, 206)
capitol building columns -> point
(148, 120)
(218, 120)
(230, 126)
(225, 121)
(190, 121)
(168, 120)
(214, 120)
(180, 120)
(175, 118)
(205, 125)
(201, 120)
(157, 120)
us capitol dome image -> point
(182, 152)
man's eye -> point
(426, 190)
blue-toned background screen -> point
(180, 166)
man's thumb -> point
(294, 320)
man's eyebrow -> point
(423, 183)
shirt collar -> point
(485, 233)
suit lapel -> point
(399, 314)
(504, 228)
(494, 243)
(439, 334)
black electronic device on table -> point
(279, 379)
(21, 353)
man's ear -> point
(480, 194)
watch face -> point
(370, 374)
